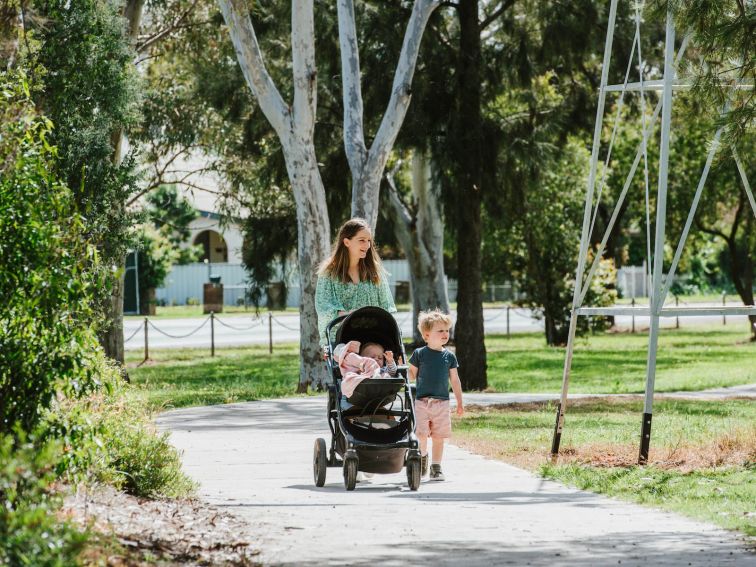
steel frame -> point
(659, 283)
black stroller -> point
(374, 429)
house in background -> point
(221, 242)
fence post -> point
(632, 319)
(146, 341)
(270, 332)
(212, 333)
(724, 301)
(507, 320)
(677, 318)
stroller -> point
(374, 429)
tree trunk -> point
(421, 236)
(468, 134)
(313, 235)
(367, 166)
(295, 125)
(111, 336)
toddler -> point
(434, 367)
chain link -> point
(284, 325)
(257, 323)
(178, 336)
(139, 328)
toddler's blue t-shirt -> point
(433, 371)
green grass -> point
(191, 377)
(702, 462)
(689, 359)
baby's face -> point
(375, 352)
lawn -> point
(690, 359)
(191, 377)
(702, 461)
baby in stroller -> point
(370, 409)
(359, 362)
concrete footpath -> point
(255, 460)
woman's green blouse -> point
(332, 296)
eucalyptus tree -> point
(294, 125)
(420, 230)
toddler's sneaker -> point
(435, 473)
(423, 465)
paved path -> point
(254, 459)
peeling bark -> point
(421, 234)
(295, 128)
(367, 165)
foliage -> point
(109, 437)
(30, 532)
(270, 231)
(49, 270)
(156, 256)
(91, 95)
(172, 214)
(723, 38)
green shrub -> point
(46, 281)
(30, 532)
(109, 437)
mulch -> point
(173, 532)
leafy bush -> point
(30, 532)
(108, 437)
(46, 281)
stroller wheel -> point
(413, 473)
(319, 462)
(350, 473)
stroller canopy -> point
(371, 325)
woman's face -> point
(359, 244)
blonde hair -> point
(337, 264)
(427, 319)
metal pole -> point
(661, 217)
(677, 319)
(562, 406)
(584, 235)
(724, 301)
(632, 303)
(212, 333)
(146, 341)
(507, 320)
(270, 333)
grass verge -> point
(703, 453)
(690, 359)
(191, 377)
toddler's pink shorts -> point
(433, 418)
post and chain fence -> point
(212, 319)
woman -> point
(351, 277)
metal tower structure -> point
(660, 282)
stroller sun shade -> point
(371, 325)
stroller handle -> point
(333, 322)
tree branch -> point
(236, 15)
(400, 90)
(177, 24)
(303, 67)
(354, 135)
(506, 5)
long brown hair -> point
(337, 264)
